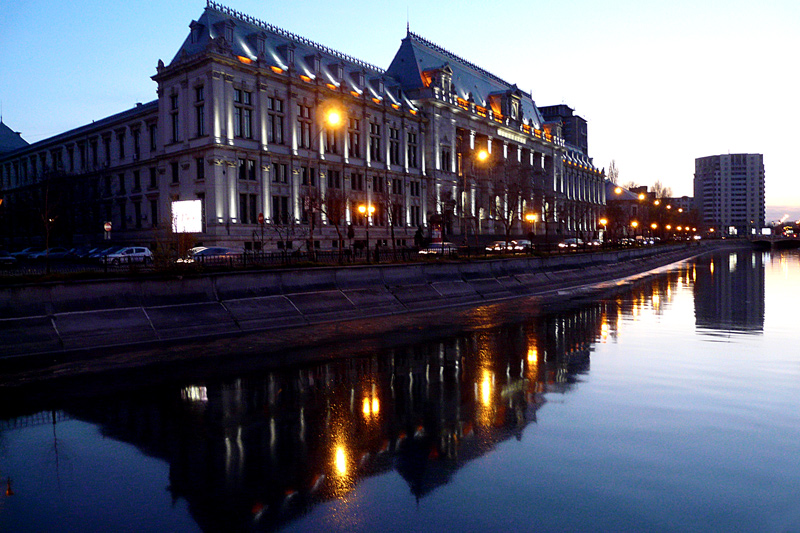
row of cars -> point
(114, 255)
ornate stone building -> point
(279, 140)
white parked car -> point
(129, 255)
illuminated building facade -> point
(729, 192)
(279, 140)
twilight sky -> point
(660, 83)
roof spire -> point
(408, 23)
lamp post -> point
(366, 211)
(604, 222)
(481, 156)
(531, 218)
(333, 118)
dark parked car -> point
(441, 248)
(6, 259)
(56, 252)
(24, 254)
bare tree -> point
(506, 190)
(613, 172)
(661, 191)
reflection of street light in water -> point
(340, 460)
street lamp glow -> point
(657, 202)
(618, 190)
(603, 221)
(654, 225)
(483, 155)
(635, 224)
(363, 209)
(641, 196)
(530, 217)
(333, 118)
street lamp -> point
(332, 118)
(366, 211)
(634, 225)
(481, 156)
(604, 222)
(531, 218)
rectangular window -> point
(154, 213)
(137, 151)
(200, 168)
(137, 181)
(200, 118)
(174, 114)
(251, 170)
(242, 169)
(411, 149)
(279, 173)
(308, 176)
(122, 184)
(332, 141)
(335, 179)
(253, 218)
(280, 209)
(375, 141)
(153, 178)
(175, 128)
(377, 184)
(354, 138)
(275, 120)
(394, 146)
(243, 218)
(174, 172)
(121, 143)
(304, 126)
(242, 114)
(357, 182)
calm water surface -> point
(672, 406)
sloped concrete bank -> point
(81, 315)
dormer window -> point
(197, 29)
(261, 43)
(313, 62)
(338, 71)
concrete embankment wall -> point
(64, 316)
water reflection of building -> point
(262, 449)
(729, 293)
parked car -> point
(130, 255)
(23, 254)
(211, 255)
(521, 245)
(101, 252)
(500, 246)
(78, 252)
(570, 243)
(6, 259)
(440, 248)
(55, 252)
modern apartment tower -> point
(729, 192)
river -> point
(671, 405)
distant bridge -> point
(775, 241)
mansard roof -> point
(472, 83)
(224, 30)
(10, 140)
